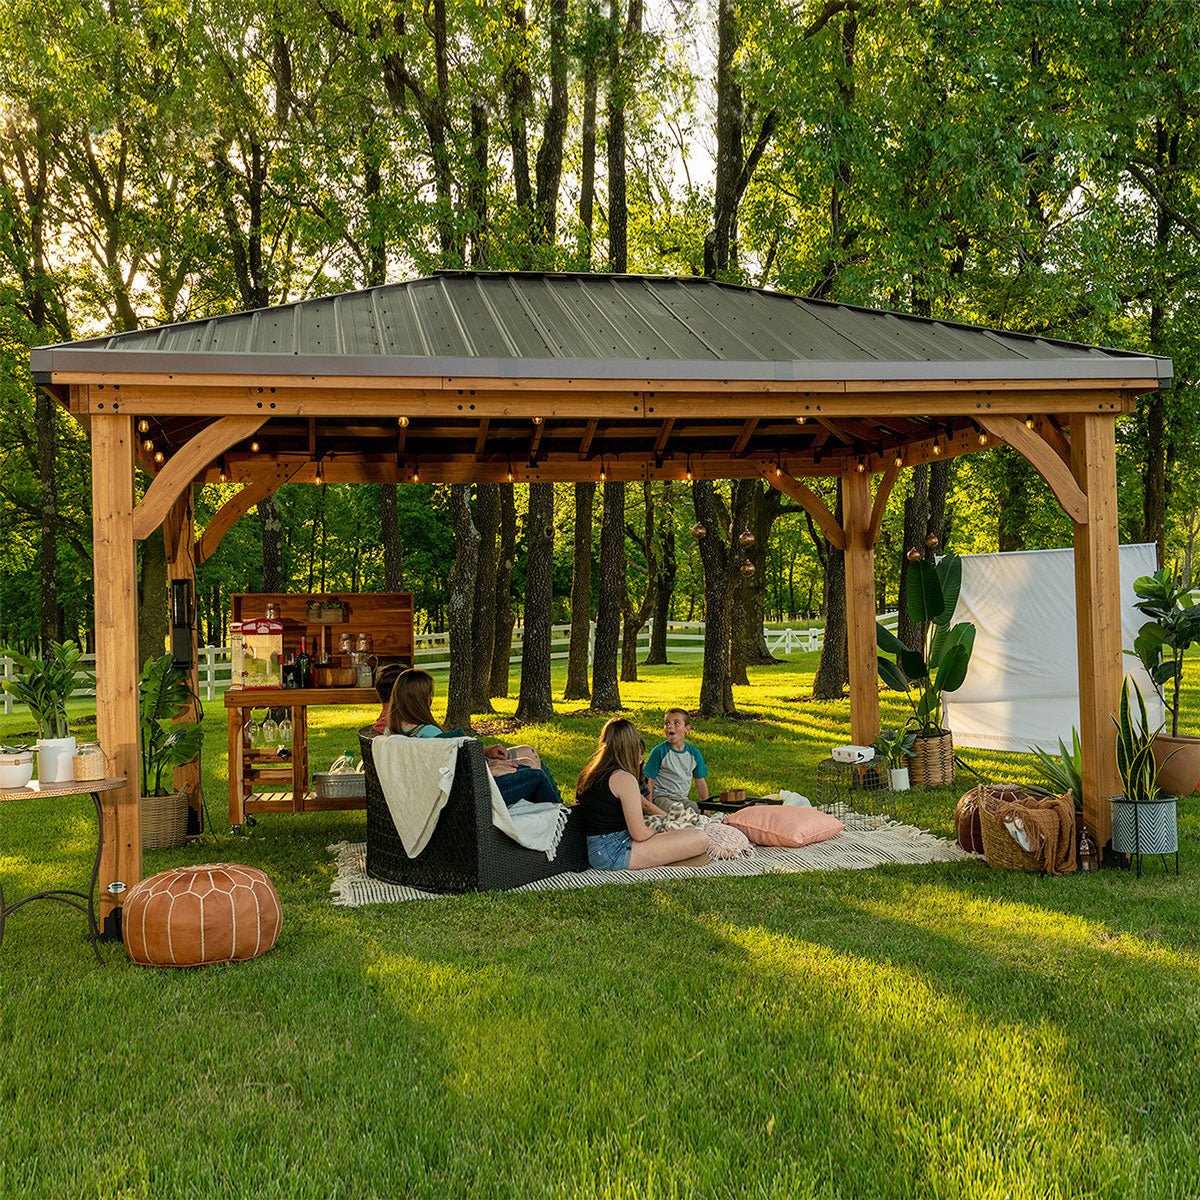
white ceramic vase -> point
(56, 760)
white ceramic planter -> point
(899, 778)
(16, 769)
(56, 760)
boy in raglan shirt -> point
(674, 763)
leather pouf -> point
(966, 823)
(193, 916)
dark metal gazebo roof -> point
(528, 325)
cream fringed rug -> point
(853, 850)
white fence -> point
(432, 651)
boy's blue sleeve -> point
(700, 770)
(654, 762)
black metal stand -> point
(1137, 856)
(65, 895)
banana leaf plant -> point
(939, 664)
(44, 685)
(1135, 741)
(1163, 641)
(166, 743)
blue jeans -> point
(526, 783)
(610, 851)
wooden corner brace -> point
(1045, 460)
(184, 466)
(812, 504)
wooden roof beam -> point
(481, 436)
(585, 444)
(238, 505)
(747, 432)
(1045, 460)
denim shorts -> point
(610, 851)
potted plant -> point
(1162, 644)
(44, 684)
(895, 747)
(938, 665)
(1061, 773)
(1144, 820)
(167, 743)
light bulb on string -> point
(148, 446)
(159, 456)
(402, 422)
(143, 426)
(254, 447)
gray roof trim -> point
(86, 358)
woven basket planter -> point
(999, 847)
(164, 821)
(933, 765)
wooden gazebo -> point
(468, 377)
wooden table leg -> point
(237, 774)
(300, 759)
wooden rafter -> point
(482, 435)
(811, 503)
(585, 443)
(747, 432)
(833, 429)
(535, 440)
(664, 432)
(186, 464)
(1045, 461)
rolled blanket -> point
(724, 841)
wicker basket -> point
(343, 786)
(933, 764)
(164, 821)
(999, 847)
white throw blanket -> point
(416, 775)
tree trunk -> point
(502, 642)
(535, 702)
(833, 671)
(49, 618)
(606, 692)
(916, 528)
(477, 187)
(152, 598)
(459, 605)
(272, 545)
(581, 595)
(762, 504)
(664, 582)
(487, 521)
(389, 530)
(716, 685)
(548, 169)
(636, 617)
(620, 85)
(587, 134)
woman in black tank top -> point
(611, 805)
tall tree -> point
(460, 605)
(506, 557)
(581, 595)
(622, 51)
(719, 561)
(606, 691)
(664, 577)
(535, 702)
(487, 521)
(833, 669)
(636, 615)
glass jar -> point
(90, 761)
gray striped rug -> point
(853, 850)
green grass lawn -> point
(934, 1031)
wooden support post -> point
(179, 537)
(860, 608)
(1097, 616)
(116, 653)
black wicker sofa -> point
(466, 852)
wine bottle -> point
(304, 664)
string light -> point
(538, 420)
(143, 426)
(983, 438)
(148, 446)
(254, 447)
(320, 472)
(159, 456)
(510, 474)
(688, 474)
(937, 447)
(1029, 422)
(402, 422)
(860, 466)
(801, 420)
(603, 473)
(224, 478)
(899, 459)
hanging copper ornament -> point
(746, 538)
(698, 531)
(932, 541)
(747, 568)
(914, 555)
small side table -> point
(92, 787)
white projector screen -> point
(1022, 688)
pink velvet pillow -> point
(784, 824)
